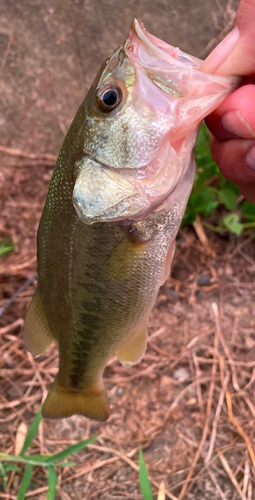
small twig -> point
(230, 474)
(251, 381)
(231, 416)
(25, 154)
(17, 293)
(246, 364)
(227, 352)
(217, 486)
(216, 419)
(161, 491)
(247, 258)
(64, 493)
(241, 245)
(198, 375)
(88, 468)
(189, 346)
(249, 493)
(181, 394)
(36, 370)
(246, 476)
(200, 232)
(247, 400)
(12, 326)
(238, 426)
(19, 164)
(131, 463)
(207, 420)
(186, 439)
(147, 371)
(13, 269)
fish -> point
(106, 238)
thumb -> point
(235, 55)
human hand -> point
(233, 123)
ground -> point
(195, 426)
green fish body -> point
(115, 203)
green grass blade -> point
(52, 483)
(37, 458)
(3, 475)
(24, 485)
(65, 464)
(71, 449)
(26, 459)
(144, 478)
(6, 247)
(11, 467)
(32, 431)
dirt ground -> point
(51, 51)
(195, 426)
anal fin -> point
(37, 335)
(62, 403)
(132, 351)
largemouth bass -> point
(115, 203)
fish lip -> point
(155, 46)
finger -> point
(235, 55)
(240, 165)
(248, 191)
(236, 116)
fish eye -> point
(108, 98)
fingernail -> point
(250, 159)
(221, 52)
(234, 123)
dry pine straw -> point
(197, 434)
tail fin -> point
(61, 403)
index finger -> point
(235, 117)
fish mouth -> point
(102, 194)
(167, 67)
(189, 92)
(150, 47)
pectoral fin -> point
(61, 403)
(123, 260)
(168, 262)
(37, 335)
(134, 348)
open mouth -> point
(153, 47)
